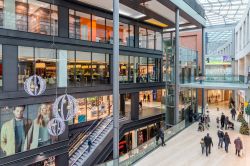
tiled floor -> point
(148, 109)
(184, 149)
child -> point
(218, 122)
(202, 145)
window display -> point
(24, 128)
(29, 16)
(143, 70)
(100, 68)
(98, 29)
(143, 38)
(79, 25)
(92, 108)
(124, 68)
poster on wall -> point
(24, 128)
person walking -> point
(208, 142)
(162, 136)
(220, 134)
(226, 122)
(226, 141)
(238, 146)
(222, 120)
(233, 113)
(157, 135)
(89, 144)
(202, 145)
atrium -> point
(124, 82)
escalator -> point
(79, 153)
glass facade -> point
(93, 108)
(139, 69)
(90, 27)
(24, 128)
(150, 39)
(63, 68)
(29, 16)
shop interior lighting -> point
(157, 23)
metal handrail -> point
(92, 140)
(82, 137)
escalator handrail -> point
(82, 137)
(82, 152)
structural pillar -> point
(122, 104)
(135, 106)
(62, 71)
(203, 68)
(177, 67)
(116, 83)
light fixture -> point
(40, 65)
(157, 23)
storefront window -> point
(46, 65)
(142, 70)
(153, 74)
(79, 25)
(158, 42)
(124, 68)
(21, 16)
(32, 16)
(1, 67)
(83, 68)
(26, 64)
(42, 19)
(124, 34)
(92, 108)
(151, 39)
(131, 36)
(24, 128)
(142, 38)
(109, 31)
(98, 29)
(72, 24)
(100, 68)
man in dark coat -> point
(222, 120)
(220, 134)
(208, 142)
(238, 146)
(233, 113)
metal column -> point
(177, 56)
(116, 82)
(203, 67)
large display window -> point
(79, 25)
(98, 29)
(93, 108)
(29, 16)
(24, 128)
(143, 70)
(124, 64)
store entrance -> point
(220, 99)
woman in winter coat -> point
(238, 146)
(226, 141)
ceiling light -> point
(157, 23)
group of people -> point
(223, 138)
(224, 122)
(204, 122)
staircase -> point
(97, 136)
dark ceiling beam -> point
(171, 6)
(147, 12)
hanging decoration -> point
(65, 107)
(56, 126)
(35, 85)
